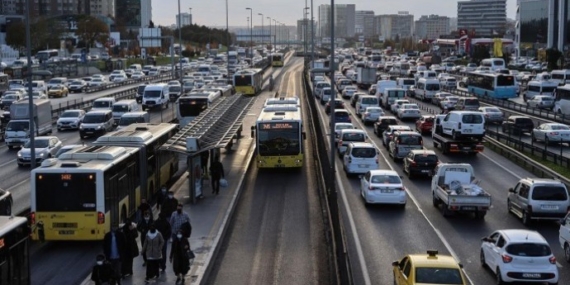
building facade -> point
(185, 19)
(394, 26)
(45, 7)
(484, 18)
(102, 8)
(344, 20)
(304, 25)
(364, 23)
(324, 17)
(431, 27)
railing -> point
(157, 78)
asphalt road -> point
(379, 235)
(276, 235)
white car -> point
(448, 102)
(137, 75)
(551, 133)
(409, 111)
(341, 126)
(360, 158)
(119, 78)
(397, 104)
(383, 187)
(70, 120)
(371, 114)
(348, 91)
(97, 81)
(519, 256)
(45, 147)
(564, 236)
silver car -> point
(371, 114)
(70, 119)
(551, 132)
(492, 114)
(541, 102)
(46, 147)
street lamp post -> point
(228, 43)
(250, 33)
(312, 35)
(269, 18)
(30, 97)
(260, 14)
(305, 26)
(275, 36)
(180, 42)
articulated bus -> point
(84, 192)
(277, 59)
(248, 81)
(191, 105)
(14, 251)
(279, 137)
(562, 100)
(494, 85)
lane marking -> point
(4, 164)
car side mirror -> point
(562, 222)
(395, 263)
(511, 190)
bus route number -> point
(66, 177)
(276, 126)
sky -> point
(213, 12)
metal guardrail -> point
(157, 78)
(525, 161)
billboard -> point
(150, 37)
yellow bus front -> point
(277, 63)
(247, 90)
(290, 161)
(279, 144)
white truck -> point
(18, 129)
(454, 190)
(365, 77)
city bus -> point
(191, 105)
(562, 100)
(248, 81)
(277, 59)
(279, 137)
(84, 192)
(45, 55)
(494, 85)
(14, 251)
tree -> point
(479, 53)
(91, 30)
(16, 36)
(553, 55)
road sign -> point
(143, 53)
(83, 56)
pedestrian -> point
(132, 248)
(143, 208)
(180, 220)
(152, 248)
(103, 272)
(143, 227)
(169, 205)
(179, 256)
(114, 244)
(216, 173)
(204, 157)
(163, 226)
(161, 196)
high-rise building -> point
(45, 7)
(453, 24)
(302, 26)
(344, 17)
(102, 8)
(364, 23)
(185, 19)
(482, 17)
(431, 27)
(134, 14)
(146, 12)
(394, 26)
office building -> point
(484, 18)
(394, 26)
(185, 19)
(453, 24)
(102, 8)
(134, 14)
(364, 23)
(431, 27)
(344, 20)
(302, 26)
(45, 7)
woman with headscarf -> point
(179, 256)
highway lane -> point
(276, 235)
(426, 227)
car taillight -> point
(32, 218)
(552, 259)
(339, 143)
(100, 218)
(376, 160)
(413, 163)
(506, 258)
(370, 187)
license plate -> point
(386, 191)
(279, 165)
(549, 207)
(531, 275)
(468, 208)
(66, 232)
(425, 171)
(88, 132)
(466, 130)
(363, 165)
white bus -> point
(191, 105)
(494, 63)
(45, 55)
(562, 100)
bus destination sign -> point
(278, 126)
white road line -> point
(501, 166)
(4, 164)
(22, 182)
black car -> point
(420, 162)
(338, 104)
(382, 124)
(517, 125)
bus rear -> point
(64, 205)
(189, 108)
(505, 87)
(277, 60)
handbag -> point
(190, 254)
(223, 182)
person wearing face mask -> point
(114, 247)
(163, 226)
(132, 248)
(179, 256)
(169, 205)
(143, 227)
(143, 208)
(102, 272)
(180, 221)
(161, 196)
(152, 247)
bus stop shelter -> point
(213, 129)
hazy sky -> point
(213, 12)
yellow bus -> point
(277, 59)
(248, 81)
(84, 192)
(279, 137)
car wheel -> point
(435, 201)
(567, 252)
(499, 278)
(482, 259)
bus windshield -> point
(65, 192)
(278, 138)
(505, 80)
(242, 80)
(192, 107)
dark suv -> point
(420, 162)
(382, 124)
(517, 125)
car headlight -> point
(98, 127)
(41, 154)
(19, 154)
(81, 127)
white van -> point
(132, 118)
(391, 95)
(494, 63)
(364, 102)
(105, 103)
(426, 88)
(38, 85)
(326, 95)
(360, 157)
(155, 95)
(560, 76)
(405, 83)
(122, 107)
(464, 124)
(135, 67)
(382, 85)
(535, 87)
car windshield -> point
(374, 110)
(101, 104)
(386, 179)
(38, 143)
(472, 119)
(11, 96)
(471, 102)
(353, 137)
(428, 275)
(341, 114)
(426, 158)
(492, 110)
(549, 193)
(76, 83)
(364, 152)
(529, 249)
(410, 140)
(90, 119)
(369, 101)
(120, 108)
(174, 89)
(152, 93)
(70, 114)
(559, 127)
(55, 81)
(17, 126)
(125, 121)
